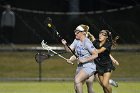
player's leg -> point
(105, 82)
(111, 81)
(79, 79)
(89, 83)
(100, 80)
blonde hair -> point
(85, 27)
(88, 34)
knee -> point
(77, 80)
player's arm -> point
(72, 58)
(92, 50)
(106, 46)
(114, 60)
(64, 42)
(93, 56)
(102, 49)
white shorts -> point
(89, 68)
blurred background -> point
(120, 17)
(19, 46)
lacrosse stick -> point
(47, 47)
(52, 26)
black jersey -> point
(103, 58)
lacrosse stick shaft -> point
(45, 46)
(66, 44)
(57, 33)
(52, 26)
(72, 51)
(58, 54)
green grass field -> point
(61, 87)
(22, 65)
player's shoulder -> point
(87, 40)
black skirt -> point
(101, 69)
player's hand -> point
(82, 60)
(64, 42)
(116, 62)
(69, 61)
(72, 58)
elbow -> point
(96, 53)
(95, 56)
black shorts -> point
(103, 69)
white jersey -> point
(83, 49)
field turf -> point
(23, 65)
(61, 87)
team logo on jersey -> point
(92, 46)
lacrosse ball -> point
(49, 25)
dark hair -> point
(111, 39)
(114, 41)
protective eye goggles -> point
(102, 33)
(77, 32)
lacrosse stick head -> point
(40, 57)
(45, 46)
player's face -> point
(77, 35)
(103, 35)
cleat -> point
(113, 83)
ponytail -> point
(90, 36)
(114, 41)
(110, 39)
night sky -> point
(33, 26)
(63, 5)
